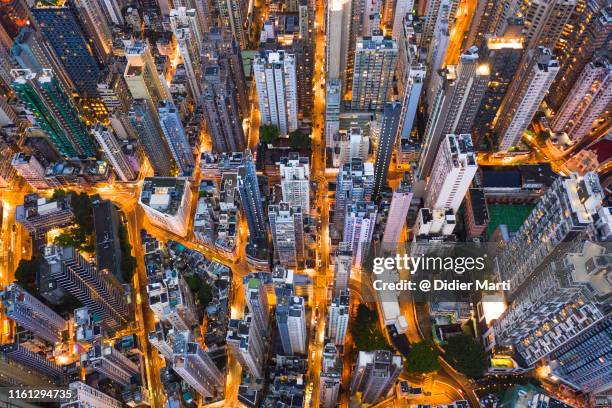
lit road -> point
(465, 13)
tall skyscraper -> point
(275, 79)
(333, 100)
(74, 274)
(337, 40)
(110, 363)
(355, 181)
(564, 298)
(141, 74)
(330, 377)
(358, 229)
(287, 227)
(55, 113)
(247, 345)
(403, 9)
(386, 143)
(452, 173)
(343, 264)
(195, 366)
(167, 203)
(222, 110)
(146, 123)
(189, 39)
(87, 396)
(113, 153)
(295, 181)
(291, 322)
(339, 316)
(437, 44)
(250, 196)
(257, 302)
(39, 215)
(176, 138)
(455, 106)
(233, 14)
(503, 54)
(589, 100)
(566, 210)
(591, 31)
(545, 21)
(60, 27)
(375, 59)
(536, 72)
(400, 204)
(31, 314)
(95, 24)
(375, 374)
(171, 301)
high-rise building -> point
(375, 374)
(233, 14)
(250, 196)
(34, 361)
(386, 143)
(452, 173)
(32, 171)
(95, 24)
(455, 105)
(343, 264)
(276, 82)
(171, 300)
(141, 76)
(113, 153)
(375, 60)
(291, 322)
(591, 31)
(433, 14)
(185, 26)
(564, 298)
(14, 15)
(295, 181)
(86, 396)
(107, 239)
(400, 204)
(176, 138)
(55, 113)
(257, 302)
(287, 226)
(536, 72)
(437, 44)
(590, 98)
(566, 210)
(167, 203)
(339, 316)
(353, 144)
(31, 314)
(74, 274)
(247, 345)
(38, 215)
(545, 21)
(338, 33)
(222, 110)
(110, 363)
(503, 54)
(410, 72)
(355, 181)
(112, 9)
(330, 378)
(146, 124)
(359, 226)
(333, 100)
(59, 25)
(195, 366)
(403, 9)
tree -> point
(128, 262)
(205, 294)
(423, 358)
(298, 140)
(366, 332)
(269, 134)
(58, 193)
(466, 355)
(25, 275)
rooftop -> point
(163, 194)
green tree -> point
(466, 355)
(269, 134)
(193, 282)
(58, 193)
(423, 358)
(26, 271)
(204, 294)
(298, 140)
(366, 332)
(128, 262)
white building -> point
(333, 100)
(287, 226)
(32, 171)
(167, 203)
(452, 173)
(402, 7)
(339, 316)
(141, 76)
(113, 153)
(342, 266)
(86, 396)
(338, 35)
(535, 75)
(275, 79)
(358, 229)
(295, 181)
(291, 321)
(171, 301)
(195, 366)
(400, 204)
(589, 99)
(247, 345)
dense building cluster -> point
(194, 193)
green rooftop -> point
(253, 283)
(513, 215)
